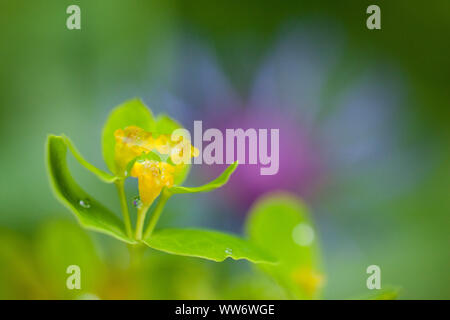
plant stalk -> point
(165, 195)
(141, 213)
(136, 254)
(124, 206)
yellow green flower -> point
(152, 176)
(169, 156)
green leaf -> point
(206, 244)
(181, 175)
(90, 213)
(216, 183)
(17, 268)
(150, 155)
(130, 113)
(59, 244)
(389, 293)
(386, 294)
(280, 225)
(166, 125)
(104, 176)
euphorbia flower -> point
(133, 141)
(130, 143)
(152, 176)
(158, 159)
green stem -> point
(136, 254)
(165, 195)
(141, 213)
(123, 204)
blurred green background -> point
(374, 104)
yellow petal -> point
(130, 143)
(152, 177)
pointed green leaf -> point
(206, 244)
(102, 175)
(131, 113)
(90, 213)
(216, 183)
(280, 225)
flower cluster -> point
(158, 158)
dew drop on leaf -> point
(228, 251)
(85, 203)
(137, 203)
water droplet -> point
(228, 251)
(137, 203)
(303, 234)
(85, 203)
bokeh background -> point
(364, 140)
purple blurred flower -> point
(330, 128)
(299, 161)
